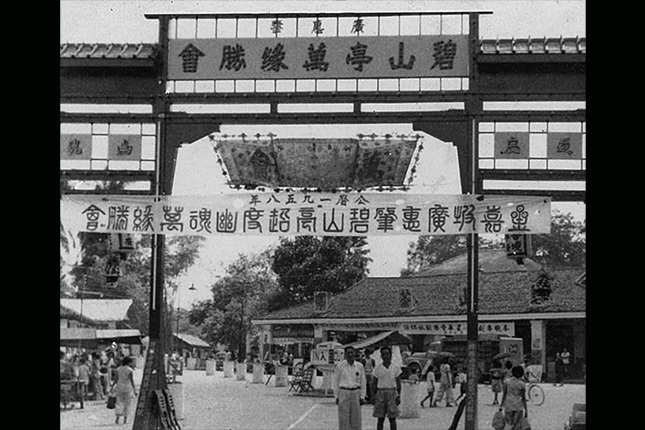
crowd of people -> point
(100, 374)
(94, 371)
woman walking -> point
(124, 389)
(428, 371)
(514, 399)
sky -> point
(199, 174)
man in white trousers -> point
(350, 386)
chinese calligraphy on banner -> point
(319, 58)
(312, 214)
(458, 328)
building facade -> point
(544, 308)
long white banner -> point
(312, 214)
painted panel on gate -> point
(124, 147)
(512, 145)
(75, 146)
(564, 146)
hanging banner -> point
(319, 58)
(310, 214)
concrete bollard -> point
(241, 372)
(229, 367)
(281, 376)
(410, 398)
(258, 374)
(177, 392)
(191, 363)
(210, 367)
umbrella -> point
(502, 355)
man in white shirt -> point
(387, 385)
(350, 386)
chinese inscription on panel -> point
(321, 214)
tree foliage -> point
(238, 297)
(563, 247)
(87, 278)
(306, 264)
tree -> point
(238, 297)
(431, 250)
(134, 283)
(563, 247)
(308, 264)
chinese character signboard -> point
(512, 145)
(565, 146)
(124, 147)
(319, 58)
(310, 214)
(450, 328)
(518, 245)
(75, 146)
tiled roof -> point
(108, 50)
(96, 309)
(499, 293)
(544, 45)
(192, 340)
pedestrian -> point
(496, 376)
(428, 372)
(110, 368)
(84, 373)
(387, 390)
(124, 389)
(349, 386)
(460, 380)
(97, 386)
(66, 368)
(369, 365)
(445, 385)
(559, 371)
(566, 360)
(514, 399)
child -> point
(496, 376)
(461, 381)
(414, 377)
(428, 371)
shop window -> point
(541, 288)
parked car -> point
(416, 362)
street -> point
(214, 402)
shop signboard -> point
(319, 58)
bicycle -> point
(535, 393)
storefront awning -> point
(385, 338)
(91, 337)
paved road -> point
(218, 403)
